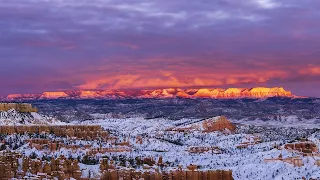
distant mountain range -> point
(214, 93)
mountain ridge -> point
(214, 93)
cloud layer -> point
(48, 45)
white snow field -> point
(13, 117)
(160, 139)
(245, 163)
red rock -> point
(257, 92)
(220, 124)
(53, 95)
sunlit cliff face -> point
(53, 95)
(258, 92)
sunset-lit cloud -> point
(78, 44)
(180, 78)
(313, 70)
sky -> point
(53, 45)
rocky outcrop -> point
(23, 114)
(189, 174)
(257, 92)
(220, 124)
(22, 96)
(20, 107)
(77, 131)
(53, 95)
(89, 94)
(16, 166)
(304, 147)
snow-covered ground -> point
(283, 121)
(13, 117)
(132, 126)
(159, 140)
(245, 163)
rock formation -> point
(304, 147)
(20, 107)
(257, 92)
(78, 131)
(22, 96)
(53, 95)
(89, 94)
(173, 175)
(208, 125)
(295, 161)
(220, 124)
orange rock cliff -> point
(257, 92)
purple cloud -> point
(53, 44)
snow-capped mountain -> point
(13, 117)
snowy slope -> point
(132, 126)
(13, 117)
(282, 121)
(172, 146)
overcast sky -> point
(50, 45)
